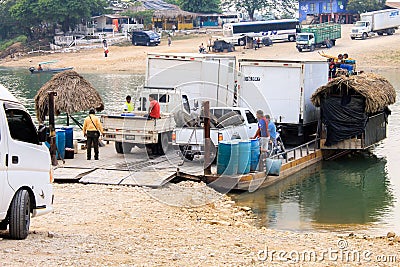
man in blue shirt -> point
(262, 132)
(271, 127)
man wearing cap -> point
(262, 132)
(92, 129)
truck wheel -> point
(292, 38)
(123, 148)
(300, 50)
(380, 33)
(364, 36)
(135, 43)
(333, 42)
(148, 44)
(163, 144)
(20, 215)
(312, 48)
(353, 38)
(390, 32)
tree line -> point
(34, 18)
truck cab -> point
(25, 168)
(360, 30)
(305, 41)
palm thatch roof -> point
(377, 90)
(74, 94)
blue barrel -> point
(228, 157)
(255, 154)
(60, 142)
(69, 136)
(244, 157)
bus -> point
(232, 17)
(284, 29)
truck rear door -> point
(274, 88)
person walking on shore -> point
(105, 47)
(92, 129)
(169, 40)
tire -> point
(390, 32)
(312, 48)
(135, 44)
(300, 50)
(148, 44)
(333, 42)
(380, 33)
(364, 36)
(292, 38)
(353, 38)
(123, 148)
(20, 215)
(163, 144)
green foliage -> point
(361, 6)
(200, 6)
(5, 44)
(250, 6)
(173, 2)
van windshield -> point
(302, 37)
(152, 34)
(360, 24)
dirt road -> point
(371, 54)
(96, 225)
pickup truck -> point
(133, 129)
(190, 140)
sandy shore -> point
(371, 54)
(96, 225)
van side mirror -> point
(42, 133)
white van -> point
(25, 168)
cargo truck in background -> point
(199, 76)
(377, 22)
(316, 36)
(283, 89)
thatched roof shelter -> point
(74, 94)
(377, 90)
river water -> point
(357, 192)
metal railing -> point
(298, 152)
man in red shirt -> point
(154, 109)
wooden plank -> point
(62, 174)
(105, 177)
(149, 179)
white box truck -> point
(283, 88)
(376, 22)
(25, 168)
(200, 76)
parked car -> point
(145, 38)
(25, 168)
(221, 45)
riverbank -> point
(377, 53)
(97, 225)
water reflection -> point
(353, 190)
(113, 88)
